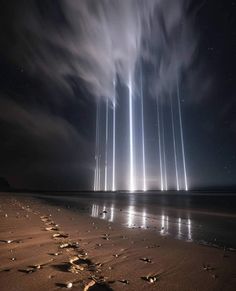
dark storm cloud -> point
(41, 146)
(40, 125)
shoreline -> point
(117, 257)
(203, 228)
(170, 208)
(193, 209)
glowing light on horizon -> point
(130, 86)
(143, 137)
(170, 148)
(174, 144)
(182, 138)
(114, 141)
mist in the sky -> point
(98, 40)
(73, 52)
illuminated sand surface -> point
(34, 254)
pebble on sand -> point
(69, 285)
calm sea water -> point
(194, 217)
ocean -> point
(204, 218)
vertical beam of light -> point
(99, 153)
(182, 138)
(174, 144)
(97, 150)
(106, 145)
(114, 141)
(143, 136)
(159, 143)
(164, 155)
(130, 85)
(164, 150)
(95, 176)
(99, 174)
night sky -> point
(48, 96)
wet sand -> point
(43, 247)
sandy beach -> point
(43, 247)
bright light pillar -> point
(143, 136)
(182, 138)
(159, 144)
(114, 140)
(106, 154)
(130, 85)
(174, 144)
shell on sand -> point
(79, 263)
(73, 245)
(51, 228)
(60, 235)
(90, 284)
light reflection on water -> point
(180, 228)
(104, 212)
(189, 229)
(144, 219)
(209, 219)
(162, 224)
(130, 216)
(112, 214)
